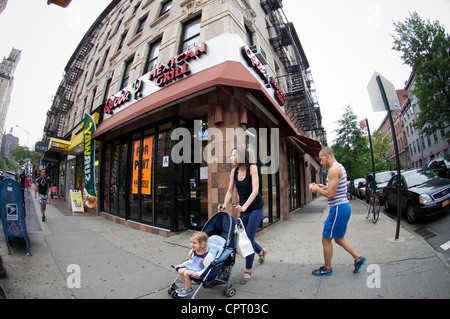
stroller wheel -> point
(231, 292)
(172, 289)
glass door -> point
(196, 181)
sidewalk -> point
(120, 262)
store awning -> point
(309, 146)
(229, 73)
(56, 148)
(73, 147)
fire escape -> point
(298, 96)
(65, 95)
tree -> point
(351, 148)
(383, 154)
(21, 153)
(425, 47)
(8, 165)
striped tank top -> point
(341, 193)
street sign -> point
(381, 89)
(375, 95)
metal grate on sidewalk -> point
(425, 233)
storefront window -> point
(146, 176)
(62, 179)
(136, 153)
(79, 181)
(198, 181)
(259, 143)
(113, 190)
(163, 178)
(122, 178)
(107, 163)
(294, 180)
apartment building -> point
(186, 79)
(422, 148)
(7, 69)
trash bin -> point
(12, 211)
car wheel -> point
(411, 214)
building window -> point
(94, 70)
(118, 25)
(165, 7)
(191, 34)
(107, 87)
(105, 57)
(126, 73)
(122, 40)
(249, 36)
(141, 24)
(136, 7)
(152, 56)
(106, 38)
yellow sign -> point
(76, 199)
(59, 145)
(146, 166)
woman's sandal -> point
(246, 280)
(262, 256)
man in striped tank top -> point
(336, 224)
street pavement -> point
(114, 261)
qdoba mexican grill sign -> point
(270, 81)
(176, 67)
(172, 70)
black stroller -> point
(220, 229)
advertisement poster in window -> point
(146, 167)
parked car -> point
(356, 184)
(382, 178)
(423, 194)
(361, 190)
(441, 166)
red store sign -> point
(270, 81)
(176, 67)
(165, 73)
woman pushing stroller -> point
(245, 177)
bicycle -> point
(374, 208)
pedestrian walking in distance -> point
(336, 224)
(42, 187)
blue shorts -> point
(336, 224)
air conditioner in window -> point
(260, 54)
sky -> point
(345, 42)
(47, 36)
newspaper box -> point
(13, 212)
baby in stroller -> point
(198, 261)
(211, 258)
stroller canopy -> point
(221, 224)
